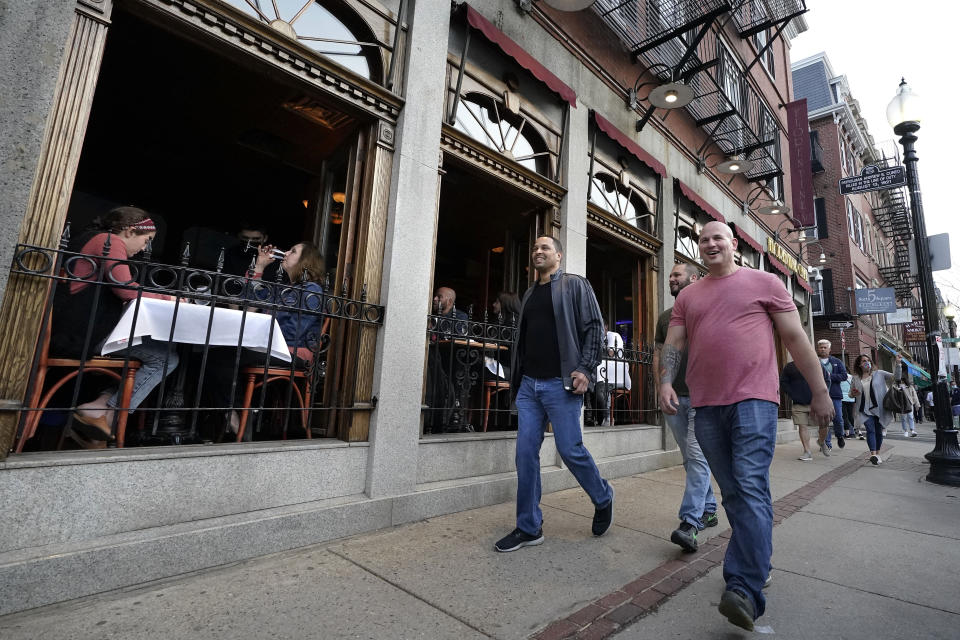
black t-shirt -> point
(541, 350)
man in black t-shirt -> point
(559, 345)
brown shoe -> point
(93, 428)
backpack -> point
(896, 401)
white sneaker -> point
(913, 434)
(883, 432)
(806, 457)
(906, 434)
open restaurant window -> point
(200, 293)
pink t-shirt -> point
(730, 349)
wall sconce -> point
(671, 95)
(734, 165)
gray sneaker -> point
(736, 608)
(806, 457)
(824, 450)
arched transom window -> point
(614, 196)
(314, 26)
(488, 121)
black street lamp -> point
(944, 460)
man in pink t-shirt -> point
(726, 322)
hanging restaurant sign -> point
(780, 252)
(873, 178)
(872, 301)
(801, 179)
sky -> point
(874, 43)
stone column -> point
(574, 170)
(46, 209)
(408, 257)
(667, 232)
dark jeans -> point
(848, 416)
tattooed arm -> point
(668, 367)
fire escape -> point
(893, 218)
(678, 41)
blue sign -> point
(873, 301)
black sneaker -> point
(709, 519)
(737, 608)
(840, 442)
(516, 539)
(603, 517)
(685, 536)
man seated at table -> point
(612, 373)
(444, 402)
(239, 257)
(119, 235)
(299, 319)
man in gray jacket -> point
(559, 345)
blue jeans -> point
(151, 354)
(697, 494)
(738, 440)
(874, 433)
(837, 420)
(540, 400)
(907, 423)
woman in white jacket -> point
(870, 387)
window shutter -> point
(829, 306)
(820, 208)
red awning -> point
(779, 266)
(700, 202)
(523, 58)
(803, 283)
(624, 141)
(743, 235)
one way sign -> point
(841, 325)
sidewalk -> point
(859, 552)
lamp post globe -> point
(903, 114)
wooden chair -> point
(304, 397)
(490, 389)
(618, 392)
(112, 367)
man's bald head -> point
(715, 226)
(446, 298)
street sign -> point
(900, 316)
(873, 178)
(874, 301)
(951, 340)
(841, 325)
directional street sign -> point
(951, 340)
(873, 178)
(841, 325)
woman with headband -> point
(128, 230)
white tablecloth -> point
(156, 316)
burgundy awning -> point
(779, 266)
(523, 58)
(743, 235)
(624, 141)
(700, 202)
(803, 283)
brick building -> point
(860, 240)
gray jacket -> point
(579, 329)
(881, 382)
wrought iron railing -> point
(468, 377)
(195, 322)
(754, 16)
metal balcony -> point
(754, 16)
(673, 38)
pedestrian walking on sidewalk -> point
(870, 388)
(549, 382)
(698, 507)
(907, 420)
(726, 321)
(838, 373)
(848, 403)
(797, 389)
